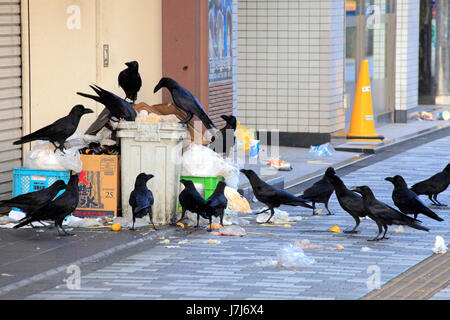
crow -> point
(385, 215)
(191, 200)
(216, 203)
(59, 130)
(350, 201)
(272, 197)
(224, 142)
(141, 199)
(185, 101)
(118, 107)
(57, 209)
(320, 192)
(32, 202)
(407, 201)
(434, 185)
(130, 80)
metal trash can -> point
(153, 148)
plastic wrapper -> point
(324, 150)
(232, 231)
(244, 136)
(236, 202)
(439, 245)
(200, 161)
(289, 257)
(279, 217)
(145, 116)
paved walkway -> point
(189, 267)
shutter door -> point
(10, 93)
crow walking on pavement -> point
(185, 101)
(434, 185)
(225, 139)
(272, 197)
(407, 201)
(384, 215)
(58, 131)
(349, 200)
(192, 201)
(58, 208)
(320, 192)
(130, 80)
(216, 204)
(141, 199)
(117, 107)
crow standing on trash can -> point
(224, 142)
(216, 203)
(58, 208)
(191, 200)
(407, 201)
(185, 101)
(32, 202)
(272, 197)
(434, 185)
(117, 107)
(349, 200)
(130, 80)
(320, 192)
(58, 131)
(384, 215)
(141, 199)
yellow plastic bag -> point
(244, 135)
(236, 202)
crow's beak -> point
(226, 118)
(149, 176)
(128, 64)
(390, 179)
(356, 189)
(86, 111)
(157, 88)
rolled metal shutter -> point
(10, 93)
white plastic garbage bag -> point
(439, 245)
(289, 257)
(44, 157)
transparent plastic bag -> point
(324, 150)
(44, 157)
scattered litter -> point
(211, 241)
(280, 165)
(443, 115)
(244, 135)
(6, 275)
(276, 225)
(116, 227)
(171, 247)
(215, 226)
(324, 150)
(15, 215)
(339, 247)
(76, 222)
(365, 249)
(305, 244)
(279, 217)
(319, 211)
(180, 225)
(399, 229)
(320, 163)
(423, 115)
(236, 202)
(229, 219)
(165, 241)
(232, 231)
(439, 245)
(183, 241)
(262, 234)
(289, 257)
(335, 229)
(145, 116)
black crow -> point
(385, 215)
(118, 107)
(407, 201)
(185, 101)
(216, 203)
(320, 192)
(130, 80)
(57, 209)
(59, 130)
(350, 201)
(434, 185)
(272, 197)
(224, 139)
(141, 199)
(31, 202)
(191, 200)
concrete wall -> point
(291, 66)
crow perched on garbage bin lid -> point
(191, 200)
(320, 192)
(349, 200)
(223, 140)
(434, 185)
(384, 215)
(118, 107)
(141, 199)
(31, 202)
(407, 201)
(185, 101)
(58, 131)
(57, 209)
(216, 203)
(130, 80)
(271, 196)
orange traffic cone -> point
(362, 125)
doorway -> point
(370, 35)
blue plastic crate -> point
(28, 180)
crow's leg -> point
(415, 216)
(438, 203)
(183, 214)
(262, 211)
(380, 230)
(357, 221)
(210, 223)
(198, 221)
(58, 225)
(189, 117)
(431, 199)
(272, 212)
(134, 220)
(329, 212)
(221, 217)
(151, 220)
(314, 208)
(384, 234)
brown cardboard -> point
(99, 186)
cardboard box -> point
(99, 186)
